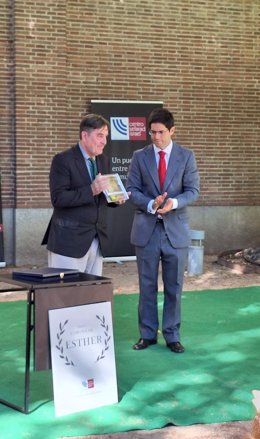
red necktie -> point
(162, 168)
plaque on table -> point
(44, 274)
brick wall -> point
(7, 105)
(200, 58)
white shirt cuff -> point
(151, 210)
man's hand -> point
(166, 208)
(159, 201)
(162, 204)
(123, 200)
(99, 185)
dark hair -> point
(91, 122)
(161, 115)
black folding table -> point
(43, 296)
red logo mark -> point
(137, 128)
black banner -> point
(2, 263)
(129, 131)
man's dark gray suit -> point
(167, 241)
(78, 217)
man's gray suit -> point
(168, 241)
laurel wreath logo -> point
(60, 347)
(107, 338)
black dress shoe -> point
(143, 343)
(176, 347)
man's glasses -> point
(153, 133)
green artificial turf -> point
(210, 383)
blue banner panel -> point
(129, 131)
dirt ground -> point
(215, 276)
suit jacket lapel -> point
(100, 167)
(150, 163)
(172, 167)
(81, 165)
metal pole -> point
(2, 263)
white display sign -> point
(83, 357)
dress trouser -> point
(91, 263)
(173, 265)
